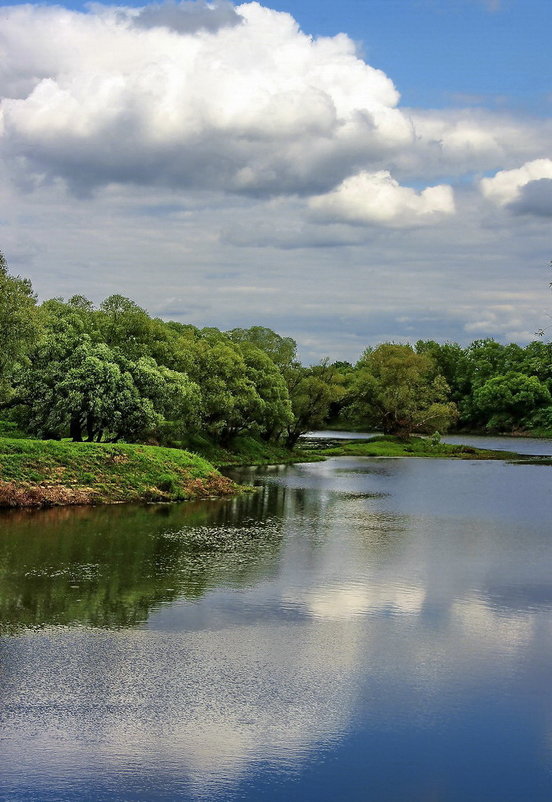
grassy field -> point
(49, 472)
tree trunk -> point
(90, 431)
(75, 428)
(292, 439)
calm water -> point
(521, 445)
(356, 630)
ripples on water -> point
(357, 629)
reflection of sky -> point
(377, 619)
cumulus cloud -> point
(195, 95)
(178, 125)
(535, 198)
(188, 17)
(379, 198)
(517, 187)
(149, 97)
(468, 140)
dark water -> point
(358, 629)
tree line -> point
(112, 372)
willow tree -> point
(400, 392)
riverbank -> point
(38, 473)
(46, 473)
(543, 434)
(389, 446)
(246, 451)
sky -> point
(345, 173)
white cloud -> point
(467, 140)
(379, 198)
(177, 125)
(238, 99)
(506, 186)
(188, 17)
(257, 107)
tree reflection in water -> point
(110, 566)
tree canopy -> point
(400, 392)
(109, 372)
(19, 324)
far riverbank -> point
(46, 473)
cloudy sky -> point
(345, 173)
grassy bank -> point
(388, 446)
(249, 451)
(36, 473)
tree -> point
(509, 400)
(275, 412)
(312, 391)
(93, 391)
(487, 359)
(174, 396)
(281, 350)
(19, 325)
(400, 392)
(230, 402)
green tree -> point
(312, 392)
(281, 350)
(400, 392)
(91, 390)
(274, 412)
(507, 401)
(231, 404)
(19, 325)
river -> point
(357, 629)
(535, 446)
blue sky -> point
(438, 49)
(221, 168)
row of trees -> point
(431, 386)
(113, 372)
(496, 387)
(68, 368)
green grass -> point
(35, 472)
(10, 429)
(50, 472)
(388, 446)
(247, 450)
(536, 433)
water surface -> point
(536, 446)
(360, 629)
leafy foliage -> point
(506, 400)
(19, 325)
(312, 391)
(400, 392)
(114, 373)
